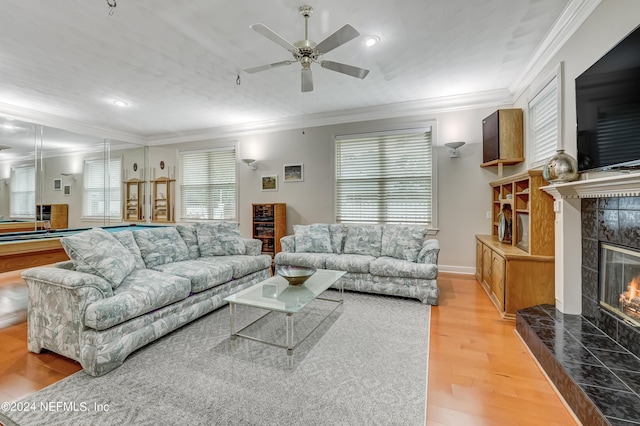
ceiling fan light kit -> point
(308, 52)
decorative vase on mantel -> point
(560, 168)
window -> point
(23, 192)
(208, 184)
(544, 121)
(102, 188)
(385, 178)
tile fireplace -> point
(593, 358)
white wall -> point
(463, 187)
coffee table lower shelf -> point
(289, 345)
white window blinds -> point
(208, 184)
(23, 192)
(384, 178)
(102, 188)
(544, 127)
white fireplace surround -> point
(568, 228)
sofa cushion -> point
(97, 252)
(310, 260)
(350, 263)
(338, 231)
(391, 267)
(219, 239)
(402, 241)
(127, 240)
(141, 292)
(188, 234)
(363, 239)
(313, 238)
(242, 265)
(161, 245)
(202, 275)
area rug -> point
(365, 365)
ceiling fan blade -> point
(345, 69)
(307, 80)
(340, 37)
(271, 35)
(267, 67)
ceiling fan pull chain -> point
(112, 6)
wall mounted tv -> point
(608, 109)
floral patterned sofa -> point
(123, 290)
(388, 259)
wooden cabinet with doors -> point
(519, 272)
(57, 215)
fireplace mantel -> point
(622, 185)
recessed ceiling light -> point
(121, 103)
(371, 40)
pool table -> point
(20, 225)
(20, 250)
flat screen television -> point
(608, 109)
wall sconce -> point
(250, 162)
(71, 175)
(453, 148)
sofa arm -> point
(68, 279)
(288, 243)
(429, 252)
(58, 300)
(253, 247)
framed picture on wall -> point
(67, 190)
(57, 184)
(293, 172)
(270, 183)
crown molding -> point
(572, 17)
(491, 98)
(52, 120)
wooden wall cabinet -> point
(502, 138)
(269, 225)
(56, 214)
(521, 272)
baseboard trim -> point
(457, 269)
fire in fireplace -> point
(620, 282)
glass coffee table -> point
(276, 295)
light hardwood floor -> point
(480, 373)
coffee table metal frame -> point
(274, 301)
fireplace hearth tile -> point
(587, 377)
(592, 375)
(590, 253)
(617, 404)
(629, 378)
(618, 360)
(600, 342)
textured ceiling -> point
(176, 61)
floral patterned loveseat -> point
(123, 290)
(388, 259)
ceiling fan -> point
(307, 52)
